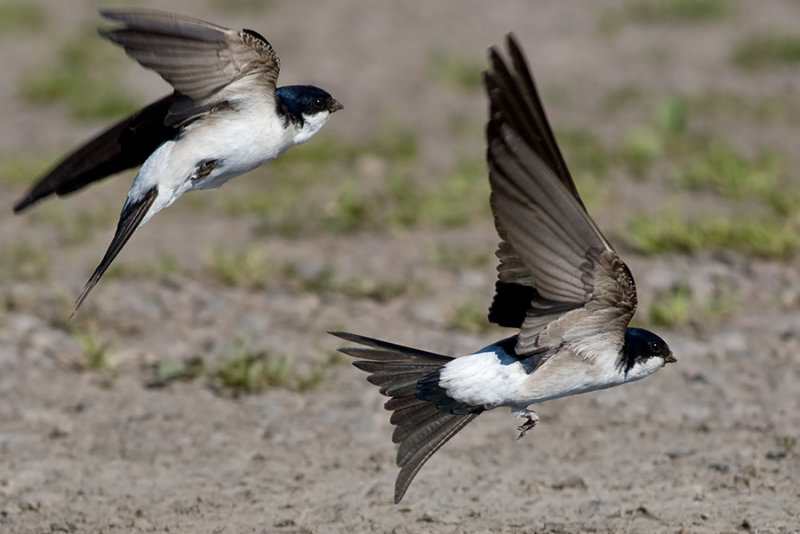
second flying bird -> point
(225, 117)
(560, 283)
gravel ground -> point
(96, 436)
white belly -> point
(491, 377)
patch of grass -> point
(243, 268)
(165, 265)
(585, 154)
(470, 317)
(458, 258)
(671, 116)
(364, 287)
(299, 204)
(165, 372)
(21, 168)
(668, 231)
(641, 146)
(250, 269)
(622, 97)
(763, 50)
(664, 12)
(671, 308)
(393, 142)
(22, 260)
(327, 280)
(454, 71)
(95, 349)
(461, 197)
(724, 104)
(644, 144)
(463, 125)
(787, 443)
(18, 16)
(73, 228)
(354, 209)
(312, 189)
(249, 372)
(679, 305)
(83, 79)
(658, 11)
(724, 170)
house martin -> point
(559, 282)
(225, 117)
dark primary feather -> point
(559, 279)
(126, 144)
(132, 214)
(424, 417)
(196, 57)
(513, 97)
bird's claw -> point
(532, 419)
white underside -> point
(492, 378)
(239, 141)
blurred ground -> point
(197, 390)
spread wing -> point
(199, 59)
(126, 144)
(559, 280)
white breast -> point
(491, 377)
(240, 141)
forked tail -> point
(425, 418)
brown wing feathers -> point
(196, 57)
(551, 254)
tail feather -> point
(408, 431)
(426, 449)
(380, 379)
(421, 428)
(403, 389)
(412, 436)
(400, 403)
(415, 411)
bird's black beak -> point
(669, 359)
(334, 106)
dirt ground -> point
(95, 436)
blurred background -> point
(679, 121)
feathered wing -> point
(124, 145)
(513, 98)
(559, 280)
(199, 59)
(421, 427)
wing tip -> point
(24, 203)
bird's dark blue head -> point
(296, 103)
(640, 346)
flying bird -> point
(559, 282)
(225, 117)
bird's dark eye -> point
(655, 346)
(319, 103)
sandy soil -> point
(705, 445)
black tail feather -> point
(422, 425)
